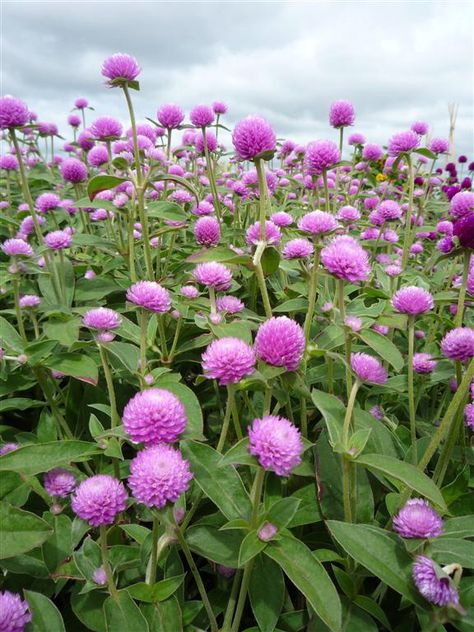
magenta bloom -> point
(356, 139)
(159, 475)
(424, 363)
(435, 586)
(412, 300)
(219, 107)
(170, 116)
(469, 416)
(348, 214)
(29, 301)
(8, 162)
(211, 141)
(372, 151)
(59, 482)
(81, 103)
(346, 259)
(213, 274)
(189, 291)
(58, 239)
(368, 368)
(276, 443)
(47, 202)
(462, 204)
(207, 231)
(201, 116)
(417, 519)
(14, 612)
(98, 156)
(272, 233)
(17, 248)
(341, 114)
(99, 499)
(99, 576)
(282, 219)
(353, 322)
(280, 341)
(102, 318)
(149, 295)
(8, 447)
(298, 249)
(317, 223)
(154, 416)
(320, 155)
(389, 210)
(458, 344)
(106, 128)
(253, 136)
(229, 304)
(13, 112)
(203, 208)
(74, 120)
(403, 142)
(439, 145)
(120, 68)
(228, 360)
(464, 231)
(74, 170)
(420, 127)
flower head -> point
(417, 519)
(8, 162)
(213, 274)
(58, 239)
(298, 249)
(462, 204)
(435, 586)
(424, 363)
(120, 68)
(412, 300)
(282, 219)
(29, 301)
(346, 259)
(106, 128)
(253, 136)
(464, 231)
(403, 142)
(47, 202)
(201, 116)
(276, 443)
(207, 231)
(272, 233)
(17, 247)
(368, 369)
(102, 318)
(154, 416)
(59, 482)
(458, 344)
(219, 107)
(280, 341)
(13, 112)
(149, 295)
(320, 155)
(439, 145)
(420, 127)
(14, 612)
(189, 291)
(341, 114)
(228, 360)
(229, 304)
(99, 499)
(73, 170)
(170, 116)
(159, 475)
(317, 223)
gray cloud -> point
(287, 61)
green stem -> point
(151, 578)
(326, 190)
(19, 318)
(262, 188)
(346, 465)
(212, 179)
(231, 603)
(105, 562)
(462, 290)
(161, 329)
(177, 331)
(235, 417)
(226, 422)
(143, 318)
(408, 230)
(347, 337)
(313, 283)
(411, 392)
(110, 386)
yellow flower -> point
(380, 177)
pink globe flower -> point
(201, 116)
(229, 304)
(59, 482)
(81, 103)
(154, 416)
(228, 360)
(207, 231)
(47, 202)
(149, 295)
(211, 141)
(29, 301)
(320, 155)
(462, 204)
(8, 162)
(341, 114)
(403, 142)
(372, 152)
(120, 68)
(435, 586)
(14, 612)
(458, 344)
(58, 239)
(420, 127)
(368, 368)
(253, 136)
(417, 519)
(189, 291)
(99, 499)
(159, 475)
(412, 300)
(170, 116)
(13, 112)
(102, 319)
(106, 128)
(17, 248)
(439, 145)
(214, 275)
(272, 234)
(276, 443)
(219, 107)
(98, 156)
(74, 170)
(317, 223)
(346, 259)
(280, 341)
(281, 219)
(424, 363)
(298, 249)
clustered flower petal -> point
(149, 295)
(59, 482)
(14, 612)
(298, 249)
(317, 223)
(458, 344)
(272, 233)
(320, 155)
(120, 66)
(102, 318)
(228, 360)
(213, 274)
(17, 248)
(346, 259)
(276, 443)
(341, 114)
(253, 136)
(417, 519)
(280, 341)
(435, 586)
(99, 499)
(13, 112)
(207, 231)
(412, 300)
(368, 369)
(424, 363)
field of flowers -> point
(237, 385)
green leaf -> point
(332, 411)
(65, 332)
(460, 527)
(427, 153)
(282, 511)
(194, 427)
(59, 546)
(19, 403)
(221, 483)
(220, 254)
(77, 365)
(164, 616)
(266, 592)
(126, 353)
(270, 261)
(156, 592)
(102, 183)
(20, 531)
(250, 547)
(308, 510)
(88, 608)
(9, 337)
(42, 457)
(45, 616)
(407, 473)
(123, 613)
(292, 305)
(221, 547)
(88, 558)
(373, 608)
(383, 347)
(136, 531)
(452, 550)
(166, 210)
(309, 576)
(95, 289)
(380, 552)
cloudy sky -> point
(397, 61)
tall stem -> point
(326, 190)
(143, 317)
(151, 578)
(411, 393)
(19, 318)
(212, 178)
(462, 290)
(262, 188)
(347, 337)
(346, 465)
(226, 422)
(313, 284)
(105, 562)
(110, 386)
(408, 230)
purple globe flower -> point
(439, 145)
(59, 482)
(253, 136)
(372, 151)
(8, 447)
(424, 363)
(29, 301)
(14, 612)
(58, 239)
(228, 360)
(412, 300)
(98, 156)
(348, 214)
(341, 114)
(102, 318)
(207, 231)
(389, 210)
(17, 248)
(154, 416)
(276, 443)
(272, 234)
(201, 116)
(280, 341)
(8, 162)
(346, 259)
(469, 416)
(149, 295)
(417, 519)
(106, 128)
(189, 291)
(317, 223)
(229, 304)
(159, 475)
(320, 155)
(298, 249)
(282, 219)
(47, 202)
(81, 103)
(74, 170)
(170, 116)
(420, 127)
(403, 142)
(353, 322)
(211, 141)
(219, 107)
(464, 231)
(203, 208)
(13, 112)
(368, 368)
(458, 344)
(356, 139)
(435, 586)
(99, 576)
(74, 120)
(120, 68)
(213, 274)
(99, 499)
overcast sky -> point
(287, 61)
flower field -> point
(236, 382)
